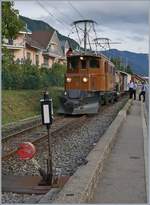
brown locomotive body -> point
(89, 82)
(90, 73)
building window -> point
(10, 41)
(52, 47)
(28, 55)
(37, 59)
(45, 61)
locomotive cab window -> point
(83, 64)
(94, 63)
(73, 63)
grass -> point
(21, 104)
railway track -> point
(71, 143)
(13, 128)
(8, 133)
(37, 133)
(6, 138)
(10, 142)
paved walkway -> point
(123, 178)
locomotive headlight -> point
(68, 80)
(85, 79)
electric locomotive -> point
(89, 81)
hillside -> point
(37, 25)
(21, 104)
(137, 61)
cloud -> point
(136, 37)
(126, 20)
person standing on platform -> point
(134, 90)
(131, 85)
(143, 90)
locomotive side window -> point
(106, 67)
(94, 63)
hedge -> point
(27, 76)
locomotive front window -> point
(94, 63)
(83, 64)
(73, 63)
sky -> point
(124, 22)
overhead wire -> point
(73, 7)
(96, 38)
(61, 22)
(66, 24)
(68, 17)
(51, 14)
(81, 28)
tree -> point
(129, 69)
(120, 66)
(11, 24)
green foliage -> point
(11, 23)
(21, 104)
(58, 74)
(27, 76)
(7, 57)
(129, 69)
(30, 76)
(120, 66)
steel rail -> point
(15, 134)
(4, 139)
(44, 137)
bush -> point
(27, 76)
(58, 74)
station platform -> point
(124, 179)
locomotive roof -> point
(91, 54)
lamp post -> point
(47, 119)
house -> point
(17, 46)
(42, 48)
(123, 80)
(65, 46)
(50, 44)
(139, 79)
